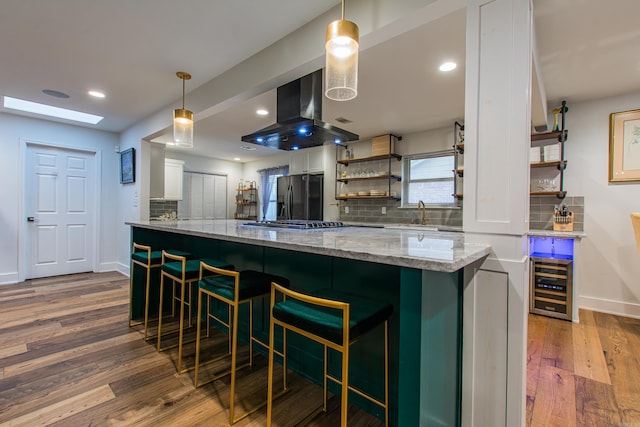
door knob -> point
(31, 219)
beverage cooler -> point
(551, 276)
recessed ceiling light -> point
(48, 110)
(448, 66)
(55, 93)
(247, 147)
(96, 94)
(262, 112)
(237, 159)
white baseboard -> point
(106, 266)
(123, 268)
(608, 306)
(9, 278)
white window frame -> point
(406, 178)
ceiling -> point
(587, 50)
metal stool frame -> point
(232, 327)
(342, 348)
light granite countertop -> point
(551, 233)
(425, 250)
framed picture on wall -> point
(624, 146)
(128, 166)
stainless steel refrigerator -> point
(300, 197)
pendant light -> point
(341, 71)
(183, 120)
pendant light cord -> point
(343, 10)
(183, 93)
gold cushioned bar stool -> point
(185, 272)
(336, 320)
(143, 256)
(233, 288)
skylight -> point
(48, 110)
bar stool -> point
(143, 256)
(184, 272)
(233, 288)
(334, 319)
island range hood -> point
(299, 118)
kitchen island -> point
(420, 272)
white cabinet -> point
(205, 197)
(173, 179)
(308, 160)
(165, 176)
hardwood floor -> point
(585, 374)
(68, 358)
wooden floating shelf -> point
(364, 178)
(367, 159)
(368, 197)
(544, 164)
(549, 135)
(558, 193)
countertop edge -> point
(448, 266)
(551, 233)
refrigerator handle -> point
(285, 206)
(289, 200)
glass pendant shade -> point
(183, 120)
(341, 71)
(183, 128)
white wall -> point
(610, 266)
(232, 170)
(14, 130)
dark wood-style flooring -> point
(583, 374)
(68, 358)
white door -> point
(220, 196)
(196, 195)
(59, 192)
(208, 196)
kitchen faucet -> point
(422, 206)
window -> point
(271, 209)
(430, 178)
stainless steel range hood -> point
(299, 118)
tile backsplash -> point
(158, 208)
(362, 210)
(541, 211)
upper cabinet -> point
(547, 158)
(173, 170)
(308, 160)
(165, 176)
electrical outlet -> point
(384, 210)
(346, 209)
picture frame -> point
(624, 146)
(128, 166)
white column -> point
(496, 206)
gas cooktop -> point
(298, 223)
